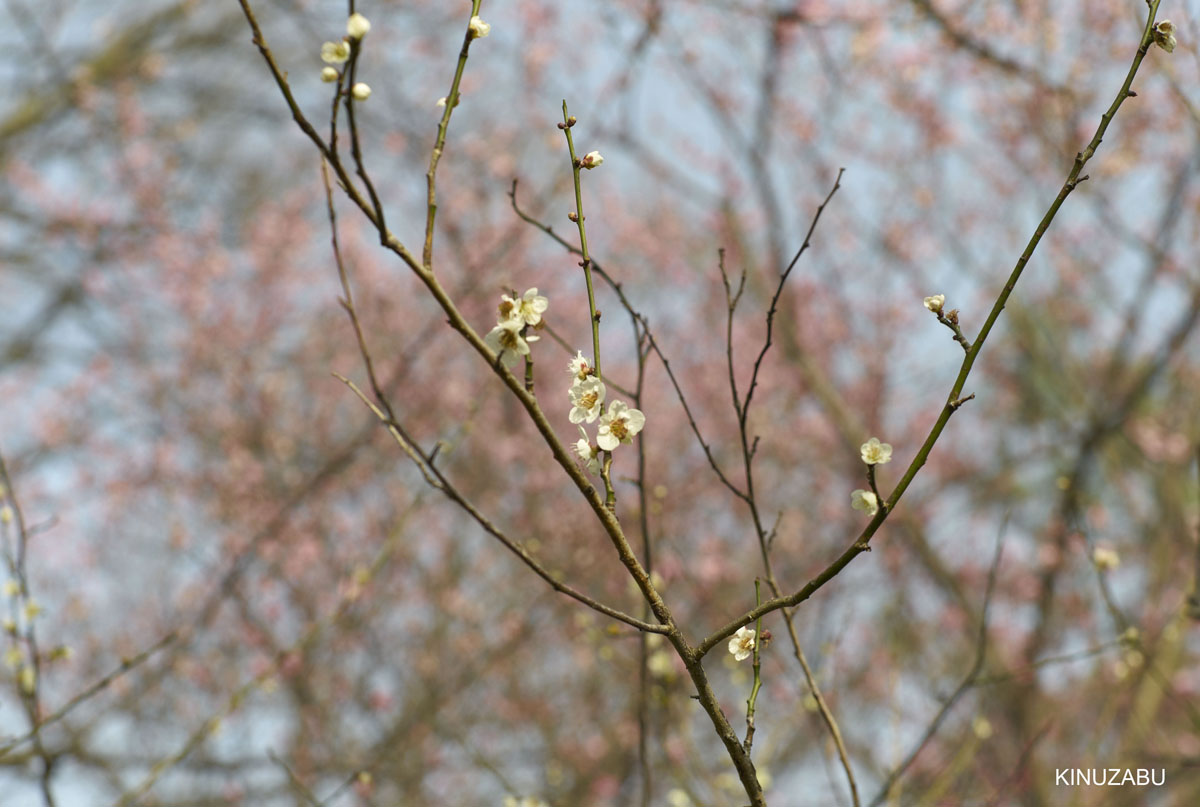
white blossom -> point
(935, 302)
(328, 74)
(360, 91)
(357, 26)
(528, 309)
(335, 52)
(875, 452)
(506, 339)
(479, 28)
(1164, 35)
(587, 452)
(579, 367)
(618, 425)
(586, 399)
(591, 160)
(741, 644)
(864, 500)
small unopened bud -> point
(573, 216)
(479, 28)
(329, 75)
(357, 26)
(572, 120)
(360, 91)
(591, 160)
(952, 316)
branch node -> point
(957, 402)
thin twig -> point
(954, 400)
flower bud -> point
(357, 26)
(479, 28)
(360, 91)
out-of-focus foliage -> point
(187, 465)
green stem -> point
(440, 144)
(586, 263)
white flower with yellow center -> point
(335, 52)
(506, 340)
(935, 302)
(875, 452)
(528, 309)
(619, 425)
(579, 367)
(741, 644)
(586, 399)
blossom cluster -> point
(338, 53)
(617, 425)
(510, 338)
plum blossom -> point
(506, 339)
(579, 367)
(328, 74)
(935, 302)
(528, 308)
(864, 500)
(1164, 35)
(335, 52)
(587, 452)
(875, 452)
(360, 91)
(591, 160)
(586, 399)
(619, 425)
(741, 644)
